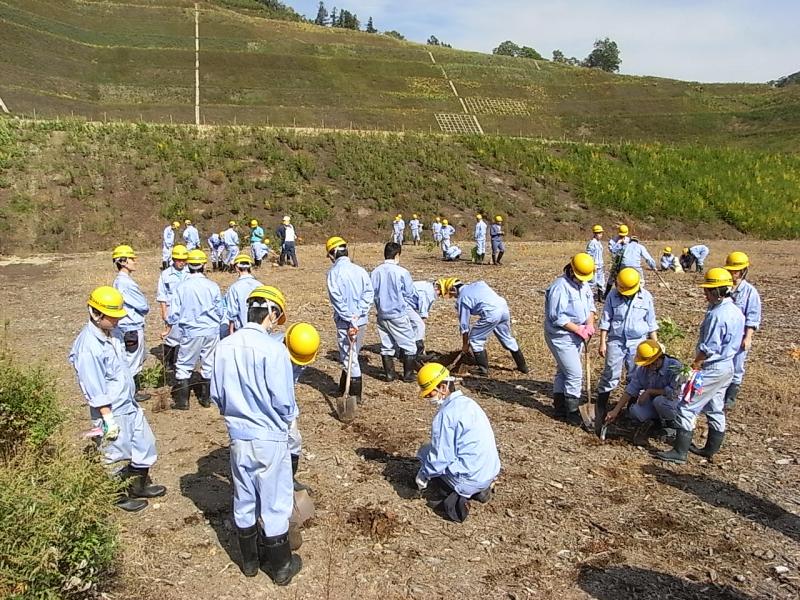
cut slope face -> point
(131, 61)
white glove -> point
(421, 482)
(110, 427)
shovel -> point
(346, 405)
(587, 410)
(661, 279)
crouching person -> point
(653, 389)
(253, 386)
(99, 358)
(462, 455)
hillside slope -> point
(135, 61)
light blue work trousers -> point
(659, 407)
(618, 353)
(566, 349)
(500, 325)
(711, 401)
(136, 442)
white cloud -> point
(704, 40)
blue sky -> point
(700, 40)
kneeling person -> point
(462, 454)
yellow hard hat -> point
(270, 294)
(737, 261)
(686, 251)
(479, 216)
(623, 229)
(334, 242)
(445, 284)
(242, 258)
(180, 252)
(498, 218)
(232, 223)
(286, 218)
(265, 241)
(108, 301)
(302, 341)
(253, 223)
(717, 278)
(197, 257)
(399, 216)
(123, 251)
(414, 216)
(187, 222)
(445, 222)
(647, 353)
(628, 281)
(597, 229)
(439, 219)
(176, 224)
(667, 250)
(429, 376)
(582, 266)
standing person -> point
(632, 255)
(595, 249)
(446, 232)
(238, 292)
(136, 308)
(461, 457)
(616, 243)
(416, 229)
(168, 282)
(398, 229)
(498, 245)
(480, 238)
(436, 230)
(628, 318)
(197, 309)
(216, 250)
(720, 339)
(191, 237)
(652, 392)
(569, 313)
(351, 294)
(98, 357)
(746, 297)
(419, 312)
(231, 240)
(256, 232)
(288, 237)
(394, 292)
(668, 262)
(480, 300)
(167, 243)
(253, 386)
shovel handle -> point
(349, 367)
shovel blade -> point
(587, 417)
(347, 407)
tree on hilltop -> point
(322, 15)
(434, 41)
(370, 26)
(558, 57)
(507, 48)
(394, 34)
(605, 56)
(528, 52)
(334, 17)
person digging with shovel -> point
(461, 459)
(168, 282)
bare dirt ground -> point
(572, 518)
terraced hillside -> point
(135, 60)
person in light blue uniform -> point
(416, 229)
(652, 389)
(191, 237)
(253, 386)
(628, 318)
(569, 314)
(617, 242)
(351, 295)
(236, 296)
(633, 253)
(461, 456)
(446, 233)
(394, 293)
(419, 312)
(480, 238)
(167, 242)
(700, 253)
(136, 307)
(498, 245)
(231, 240)
(452, 254)
(436, 230)
(479, 300)
(99, 358)
(720, 339)
(747, 298)
(595, 249)
(398, 229)
(668, 261)
(259, 250)
(168, 282)
(256, 232)
(197, 309)
(216, 251)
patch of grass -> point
(152, 376)
(669, 331)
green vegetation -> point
(55, 503)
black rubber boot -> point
(295, 464)
(204, 399)
(600, 411)
(713, 444)
(494, 258)
(130, 504)
(170, 354)
(409, 362)
(180, 395)
(680, 448)
(388, 367)
(482, 362)
(281, 565)
(642, 433)
(248, 546)
(559, 410)
(139, 395)
(141, 487)
(571, 404)
(730, 396)
(500, 258)
(356, 388)
(519, 360)
(343, 382)
(421, 350)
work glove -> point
(110, 427)
(421, 482)
(585, 332)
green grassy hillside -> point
(134, 60)
(69, 185)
